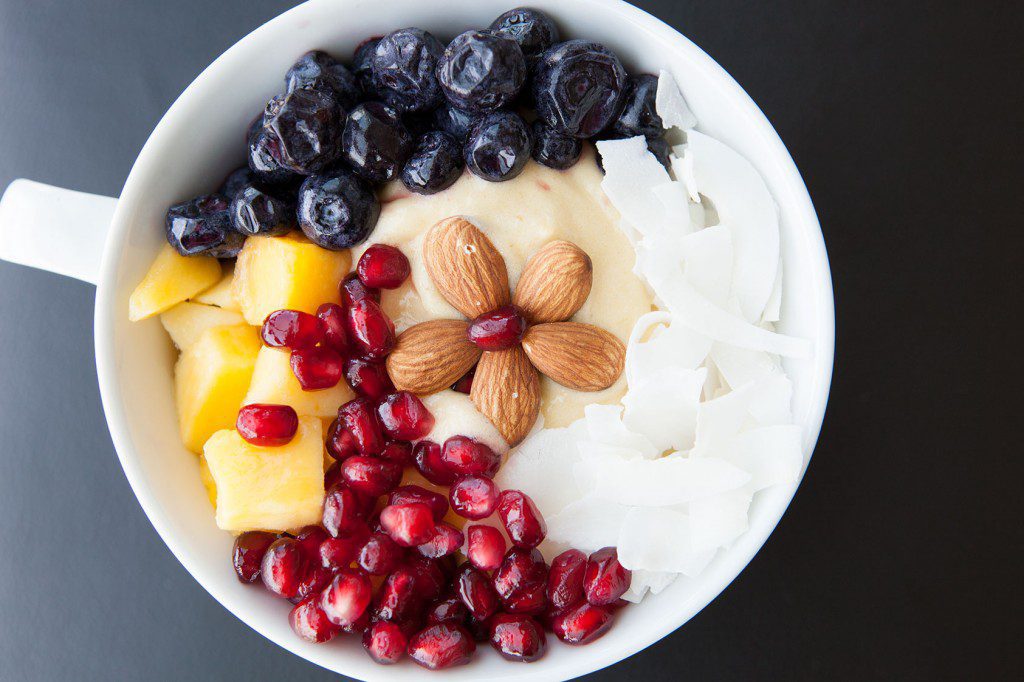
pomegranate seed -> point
(346, 598)
(408, 524)
(370, 329)
(332, 316)
(485, 547)
(368, 378)
(522, 520)
(397, 598)
(414, 493)
(371, 476)
(267, 425)
(292, 329)
(521, 581)
(405, 417)
(478, 629)
(517, 637)
(339, 553)
(447, 540)
(565, 579)
(499, 329)
(440, 646)
(316, 368)
(343, 511)
(310, 622)
(466, 456)
(314, 579)
(384, 642)
(309, 538)
(605, 579)
(430, 580)
(380, 555)
(465, 384)
(360, 419)
(476, 592)
(449, 610)
(282, 567)
(352, 289)
(474, 497)
(340, 443)
(383, 266)
(399, 452)
(248, 553)
(582, 624)
(332, 476)
(427, 457)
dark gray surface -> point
(903, 118)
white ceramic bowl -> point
(199, 140)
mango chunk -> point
(210, 381)
(207, 478)
(187, 321)
(221, 294)
(171, 279)
(268, 488)
(273, 382)
(273, 273)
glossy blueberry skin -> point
(553, 149)
(404, 65)
(454, 121)
(532, 29)
(239, 178)
(202, 226)
(375, 143)
(435, 164)
(362, 68)
(578, 87)
(661, 150)
(319, 70)
(498, 146)
(336, 209)
(481, 72)
(257, 212)
(304, 127)
(638, 115)
(262, 163)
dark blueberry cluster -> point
(409, 108)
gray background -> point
(904, 119)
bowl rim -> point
(744, 549)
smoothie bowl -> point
(484, 344)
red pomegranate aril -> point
(368, 378)
(316, 368)
(347, 597)
(309, 539)
(517, 637)
(565, 579)
(581, 624)
(314, 579)
(407, 494)
(267, 425)
(522, 520)
(427, 457)
(338, 553)
(466, 456)
(343, 511)
(521, 581)
(404, 416)
(499, 329)
(332, 476)
(605, 579)
(370, 329)
(384, 642)
(446, 541)
(485, 547)
(441, 646)
(380, 555)
(383, 266)
(430, 579)
(398, 598)
(476, 592)
(332, 316)
(248, 552)
(292, 329)
(340, 443)
(309, 622)
(352, 289)
(408, 524)
(282, 567)
(399, 452)
(371, 476)
(465, 384)
(449, 610)
(473, 497)
(360, 419)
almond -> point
(555, 282)
(580, 356)
(431, 356)
(506, 390)
(465, 267)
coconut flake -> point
(661, 482)
(664, 407)
(708, 257)
(717, 521)
(631, 172)
(604, 426)
(770, 454)
(670, 344)
(773, 308)
(588, 524)
(670, 104)
(542, 466)
(659, 540)
(740, 366)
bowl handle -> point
(54, 229)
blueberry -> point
(304, 127)
(578, 87)
(418, 123)
(256, 212)
(498, 146)
(638, 116)
(336, 209)
(404, 63)
(661, 150)
(375, 143)
(435, 164)
(362, 67)
(262, 163)
(203, 226)
(481, 72)
(453, 121)
(532, 29)
(553, 149)
(239, 178)
(319, 70)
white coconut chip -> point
(669, 344)
(659, 540)
(542, 466)
(663, 407)
(631, 173)
(661, 482)
(740, 366)
(709, 259)
(717, 521)
(588, 524)
(772, 309)
(671, 105)
(770, 454)
(604, 426)
(681, 162)
(643, 581)
(675, 206)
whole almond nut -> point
(465, 267)
(580, 356)
(555, 282)
(506, 390)
(431, 356)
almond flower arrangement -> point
(510, 338)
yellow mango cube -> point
(268, 488)
(273, 382)
(221, 294)
(187, 321)
(207, 478)
(171, 279)
(210, 381)
(274, 273)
